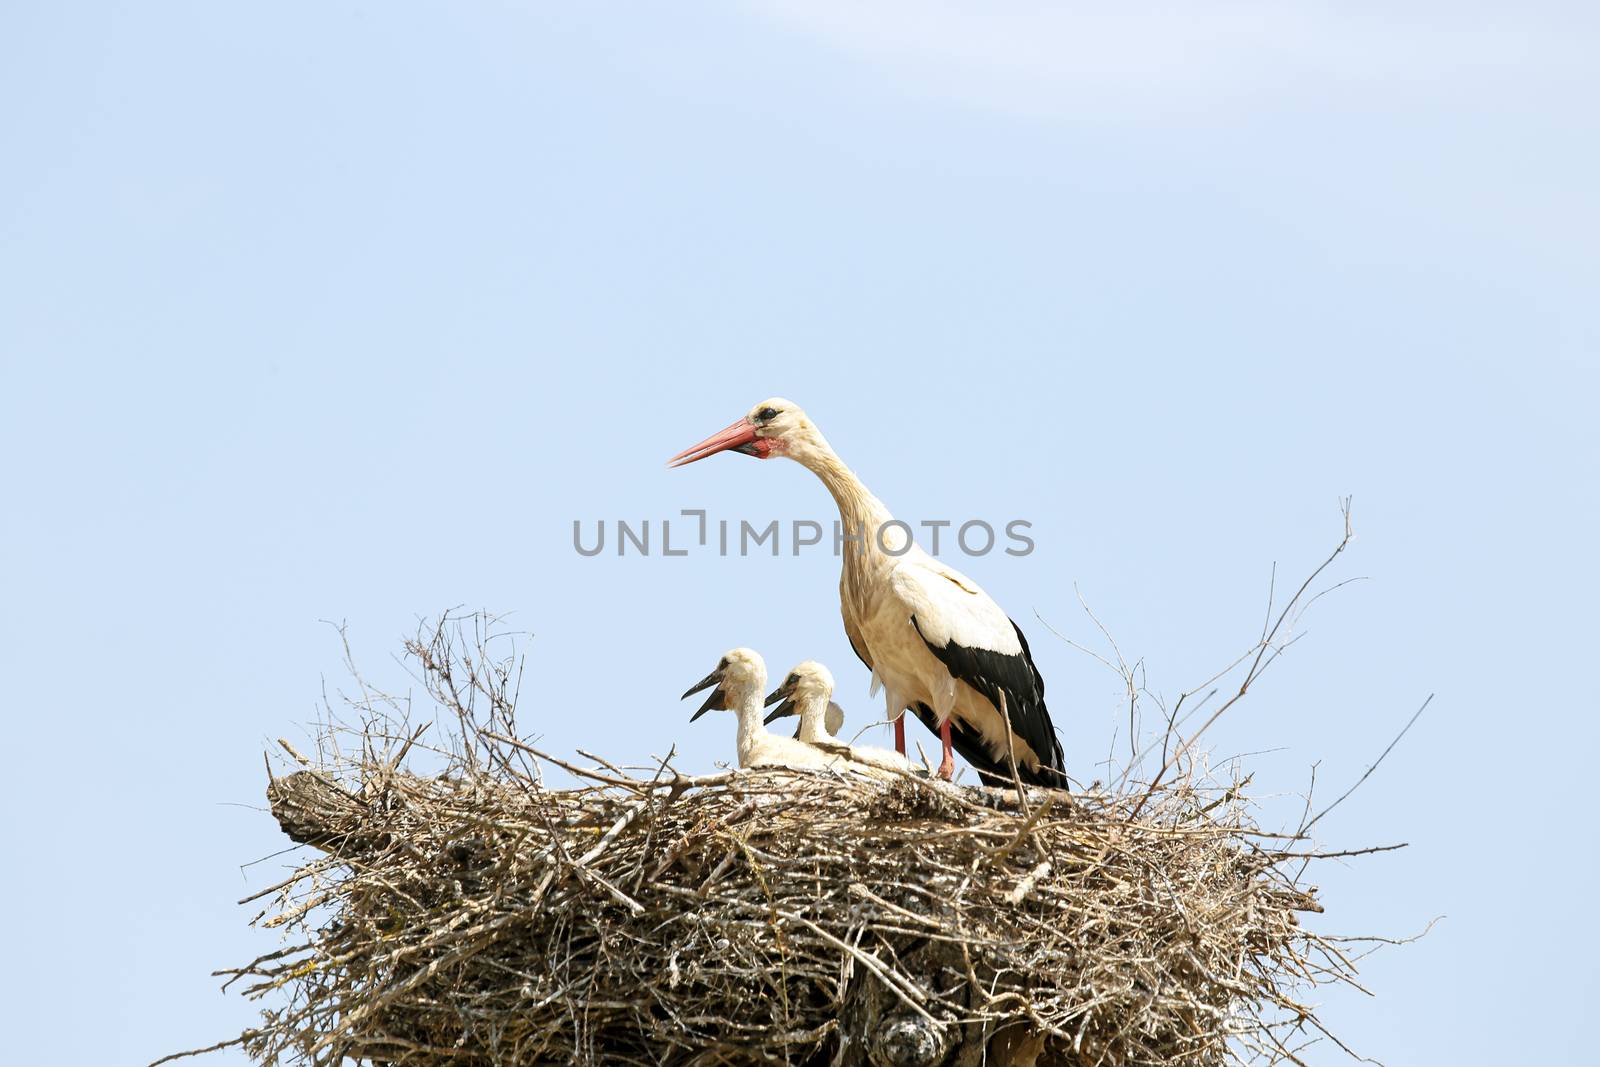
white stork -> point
(806, 692)
(831, 723)
(739, 679)
(935, 642)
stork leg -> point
(900, 734)
(947, 765)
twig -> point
(1368, 772)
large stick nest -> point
(479, 917)
(475, 914)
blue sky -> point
(345, 312)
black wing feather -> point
(992, 673)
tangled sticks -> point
(461, 911)
(478, 917)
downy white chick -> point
(736, 686)
(806, 692)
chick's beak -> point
(786, 708)
(714, 701)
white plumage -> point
(833, 719)
(739, 681)
(935, 642)
(805, 692)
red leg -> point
(947, 765)
(900, 734)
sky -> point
(339, 312)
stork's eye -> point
(793, 679)
(766, 414)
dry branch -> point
(467, 913)
(771, 916)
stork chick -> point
(806, 692)
(832, 722)
(736, 685)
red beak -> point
(741, 436)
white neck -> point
(813, 712)
(861, 514)
(751, 729)
(856, 502)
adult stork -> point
(739, 679)
(807, 691)
(935, 641)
